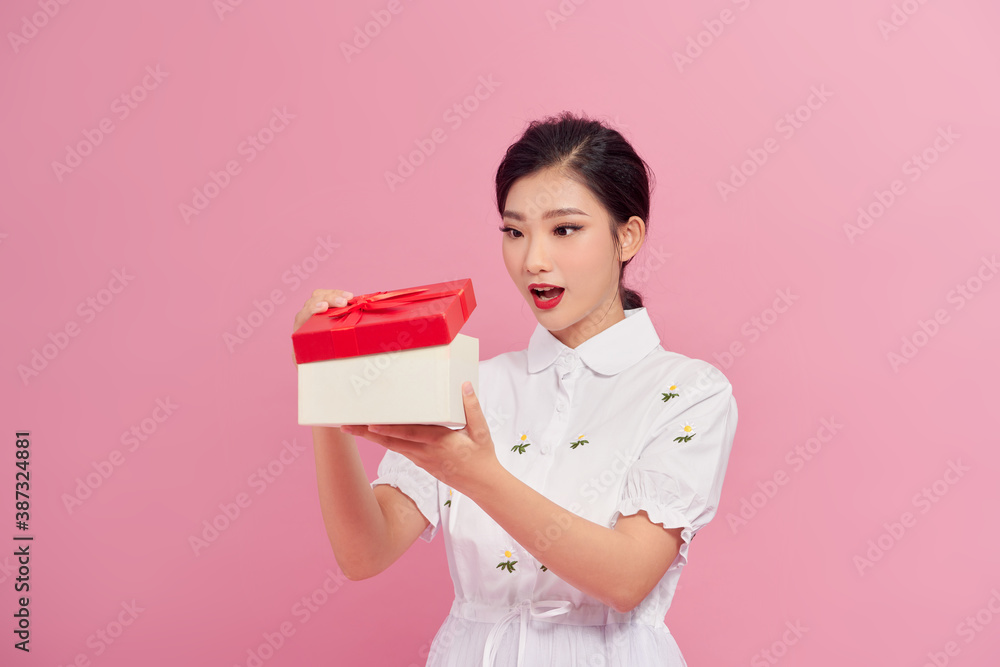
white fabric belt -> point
(553, 611)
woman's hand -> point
(464, 459)
(321, 299)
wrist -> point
(490, 483)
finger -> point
(387, 441)
(424, 433)
(475, 420)
(330, 296)
(321, 300)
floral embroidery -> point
(508, 564)
(520, 447)
(579, 441)
(688, 430)
(447, 503)
(667, 395)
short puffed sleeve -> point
(422, 487)
(677, 477)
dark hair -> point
(597, 156)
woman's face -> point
(559, 234)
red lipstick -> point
(546, 303)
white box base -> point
(417, 386)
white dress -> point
(614, 426)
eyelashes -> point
(505, 229)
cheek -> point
(508, 260)
(586, 263)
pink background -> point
(712, 264)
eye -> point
(573, 227)
(516, 234)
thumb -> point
(475, 420)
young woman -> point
(589, 460)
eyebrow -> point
(556, 213)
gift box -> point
(393, 357)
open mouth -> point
(547, 294)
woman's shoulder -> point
(692, 371)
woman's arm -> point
(369, 529)
(618, 566)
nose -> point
(537, 258)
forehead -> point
(530, 197)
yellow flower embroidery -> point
(448, 502)
(519, 448)
(508, 564)
(688, 431)
(670, 393)
(579, 441)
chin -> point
(553, 322)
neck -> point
(594, 323)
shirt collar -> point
(608, 353)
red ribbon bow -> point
(380, 301)
(376, 301)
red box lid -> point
(386, 322)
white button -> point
(568, 361)
(560, 405)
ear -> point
(632, 235)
